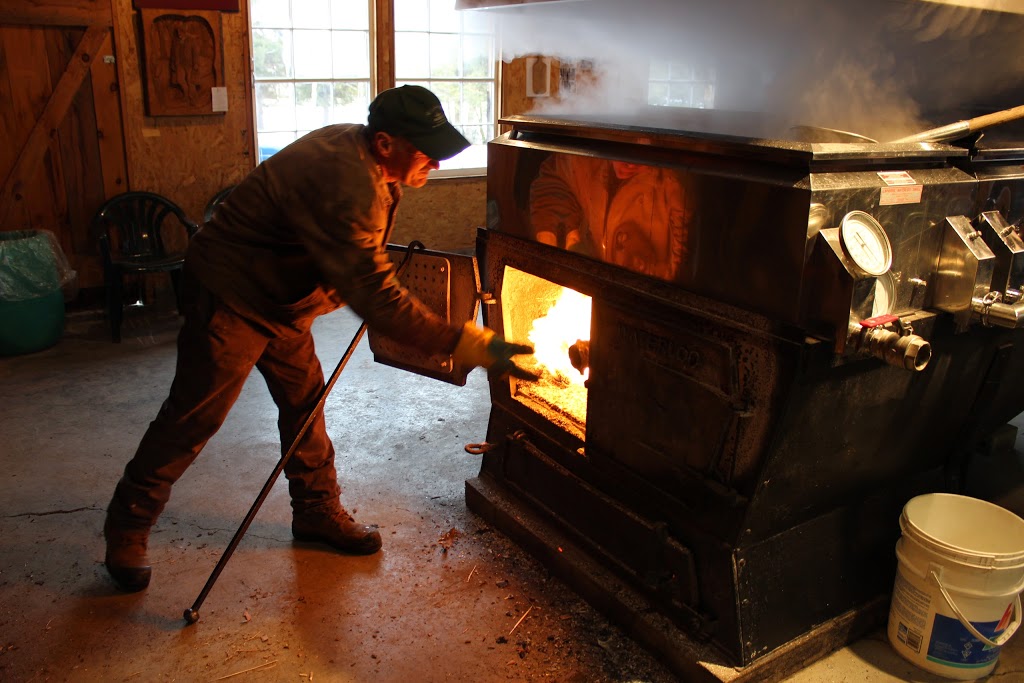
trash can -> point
(33, 270)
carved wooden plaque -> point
(182, 60)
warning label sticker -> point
(911, 603)
(907, 194)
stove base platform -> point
(692, 661)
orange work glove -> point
(483, 347)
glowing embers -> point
(556, 321)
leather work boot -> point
(126, 557)
(335, 527)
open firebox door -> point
(555, 320)
(449, 285)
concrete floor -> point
(448, 598)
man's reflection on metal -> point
(632, 215)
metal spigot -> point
(902, 350)
(910, 351)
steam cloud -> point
(880, 68)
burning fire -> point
(565, 323)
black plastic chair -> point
(140, 232)
(216, 201)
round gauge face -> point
(885, 295)
(866, 243)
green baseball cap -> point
(415, 113)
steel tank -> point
(754, 350)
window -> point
(672, 84)
(314, 64)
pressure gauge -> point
(866, 243)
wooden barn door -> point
(62, 144)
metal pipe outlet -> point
(998, 313)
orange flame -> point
(567, 321)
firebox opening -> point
(556, 321)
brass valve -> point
(900, 348)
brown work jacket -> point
(305, 233)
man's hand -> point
(504, 351)
(481, 346)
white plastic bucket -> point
(956, 600)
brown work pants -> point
(217, 349)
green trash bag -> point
(33, 269)
(31, 264)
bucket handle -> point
(1003, 637)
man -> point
(301, 235)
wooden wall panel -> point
(186, 158)
(514, 96)
(107, 108)
(383, 43)
(49, 209)
(11, 127)
(82, 184)
(8, 115)
(52, 130)
(24, 49)
(444, 214)
(47, 163)
(32, 196)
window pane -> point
(313, 102)
(412, 15)
(272, 13)
(313, 60)
(657, 93)
(350, 14)
(478, 135)
(444, 55)
(450, 95)
(272, 53)
(310, 13)
(477, 60)
(476, 103)
(474, 156)
(351, 101)
(351, 54)
(412, 51)
(271, 143)
(680, 94)
(444, 17)
(275, 107)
